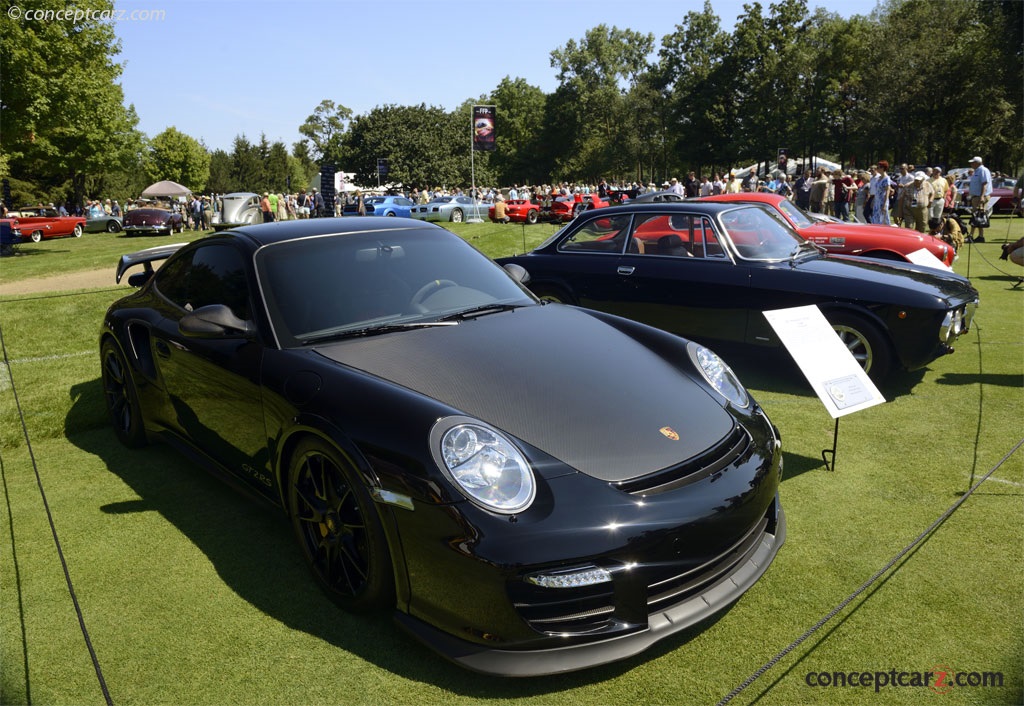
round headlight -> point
(487, 467)
(719, 375)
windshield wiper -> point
(813, 247)
(477, 311)
(373, 330)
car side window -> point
(602, 235)
(705, 241)
(667, 235)
(213, 274)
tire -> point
(338, 529)
(865, 341)
(552, 293)
(531, 216)
(391, 214)
(36, 236)
(113, 227)
(77, 232)
(121, 397)
(457, 215)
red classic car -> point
(38, 222)
(153, 220)
(877, 241)
(559, 210)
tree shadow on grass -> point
(251, 546)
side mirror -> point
(518, 273)
(214, 321)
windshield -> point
(349, 283)
(760, 234)
(795, 214)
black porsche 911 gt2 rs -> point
(530, 488)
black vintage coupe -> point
(708, 270)
(531, 489)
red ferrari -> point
(557, 211)
(867, 240)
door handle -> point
(625, 270)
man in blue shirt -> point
(979, 191)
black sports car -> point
(708, 270)
(531, 489)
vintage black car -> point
(708, 270)
(448, 447)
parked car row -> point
(560, 210)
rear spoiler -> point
(145, 257)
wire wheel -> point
(338, 529)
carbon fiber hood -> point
(558, 379)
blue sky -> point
(220, 68)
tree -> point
(246, 167)
(425, 147)
(220, 173)
(277, 168)
(180, 158)
(696, 90)
(519, 157)
(594, 76)
(62, 110)
(325, 129)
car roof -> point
(761, 196)
(267, 233)
(703, 207)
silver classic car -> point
(238, 209)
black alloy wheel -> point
(121, 397)
(338, 529)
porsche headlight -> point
(485, 465)
(719, 375)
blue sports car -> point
(382, 206)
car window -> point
(324, 285)
(603, 235)
(676, 235)
(760, 234)
(403, 202)
(212, 274)
(795, 213)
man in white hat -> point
(979, 190)
(915, 199)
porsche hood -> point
(559, 379)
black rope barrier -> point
(60, 296)
(53, 527)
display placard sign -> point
(834, 374)
(926, 258)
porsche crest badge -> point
(669, 433)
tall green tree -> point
(325, 130)
(181, 158)
(424, 146)
(594, 75)
(246, 167)
(61, 108)
(277, 168)
(520, 156)
(220, 181)
(699, 117)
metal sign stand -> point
(829, 456)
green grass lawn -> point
(193, 594)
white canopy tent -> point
(792, 166)
(166, 189)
